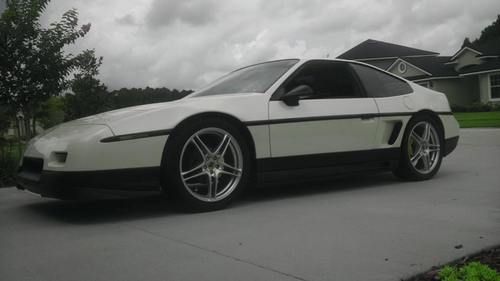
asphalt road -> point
(359, 228)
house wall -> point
(460, 91)
(484, 87)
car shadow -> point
(106, 211)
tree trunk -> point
(34, 126)
(18, 131)
(27, 125)
(29, 116)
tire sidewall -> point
(173, 184)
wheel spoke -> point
(230, 170)
(213, 182)
(193, 173)
(419, 151)
(427, 132)
(427, 162)
(416, 138)
(414, 160)
(224, 144)
(201, 146)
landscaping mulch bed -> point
(490, 257)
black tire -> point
(173, 183)
(405, 169)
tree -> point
(33, 64)
(489, 33)
(130, 97)
(4, 120)
(89, 96)
(51, 112)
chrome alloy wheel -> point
(211, 164)
(424, 147)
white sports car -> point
(276, 120)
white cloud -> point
(185, 44)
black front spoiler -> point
(85, 184)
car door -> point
(336, 117)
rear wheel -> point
(421, 150)
(207, 165)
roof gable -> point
(409, 69)
(434, 65)
(373, 49)
(463, 51)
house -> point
(18, 126)
(471, 75)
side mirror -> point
(292, 98)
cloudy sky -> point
(185, 44)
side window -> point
(379, 84)
(327, 79)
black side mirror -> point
(292, 98)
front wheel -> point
(207, 164)
(421, 150)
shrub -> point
(9, 160)
(473, 271)
(477, 107)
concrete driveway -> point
(359, 228)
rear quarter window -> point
(379, 84)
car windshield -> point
(252, 79)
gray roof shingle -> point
(378, 49)
(485, 66)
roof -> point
(434, 65)
(485, 49)
(383, 64)
(384, 55)
(370, 49)
(490, 65)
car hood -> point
(108, 117)
(166, 115)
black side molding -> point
(334, 117)
(134, 136)
(365, 116)
(327, 159)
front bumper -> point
(90, 184)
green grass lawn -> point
(478, 119)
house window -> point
(495, 86)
